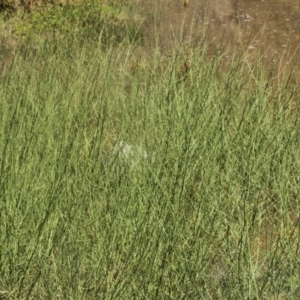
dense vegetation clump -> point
(122, 178)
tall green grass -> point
(212, 212)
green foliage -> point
(212, 210)
(89, 19)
